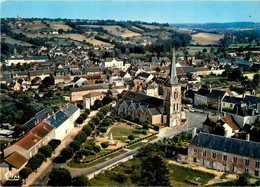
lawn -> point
(139, 144)
(122, 132)
(179, 174)
(74, 164)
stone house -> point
(224, 154)
(90, 98)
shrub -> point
(104, 145)
(87, 129)
(36, 161)
(146, 126)
(86, 152)
(80, 180)
(98, 103)
(88, 147)
(144, 132)
(227, 109)
(156, 127)
(106, 100)
(97, 148)
(131, 137)
(92, 125)
(103, 129)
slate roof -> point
(251, 99)
(154, 111)
(144, 74)
(216, 94)
(188, 69)
(203, 92)
(228, 145)
(142, 98)
(90, 87)
(235, 100)
(59, 117)
(16, 159)
(69, 109)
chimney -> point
(236, 109)
(225, 133)
(257, 106)
(248, 103)
(224, 114)
(35, 123)
(54, 116)
(194, 130)
(248, 137)
(23, 132)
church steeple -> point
(173, 74)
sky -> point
(166, 11)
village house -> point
(224, 154)
(76, 94)
(200, 97)
(221, 124)
(113, 63)
(90, 98)
(215, 97)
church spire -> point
(173, 78)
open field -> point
(13, 41)
(60, 26)
(116, 30)
(151, 26)
(206, 38)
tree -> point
(97, 148)
(87, 129)
(100, 115)
(46, 150)
(96, 120)
(154, 172)
(36, 161)
(92, 125)
(88, 111)
(88, 147)
(156, 127)
(75, 145)
(84, 115)
(146, 124)
(59, 177)
(66, 153)
(103, 129)
(81, 137)
(144, 132)
(98, 103)
(104, 145)
(60, 31)
(106, 100)
(25, 172)
(131, 137)
(80, 120)
(80, 180)
(54, 143)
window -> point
(257, 164)
(194, 159)
(246, 162)
(214, 155)
(195, 150)
(224, 157)
(246, 170)
(231, 105)
(30, 154)
(234, 159)
(204, 154)
(233, 169)
(203, 162)
(256, 173)
(223, 104)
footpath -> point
(35, 176)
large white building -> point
(113, 63)
(64, 120)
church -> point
(166, 111)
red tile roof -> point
(16, 159)
(92, 94)
(34, 135)
(229, 120)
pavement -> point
(194, 119)
(35, 177)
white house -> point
(113, 63)
(90, 98)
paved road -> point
(194, 119)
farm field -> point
(206, 38)
(116, 30)
(13, 41)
